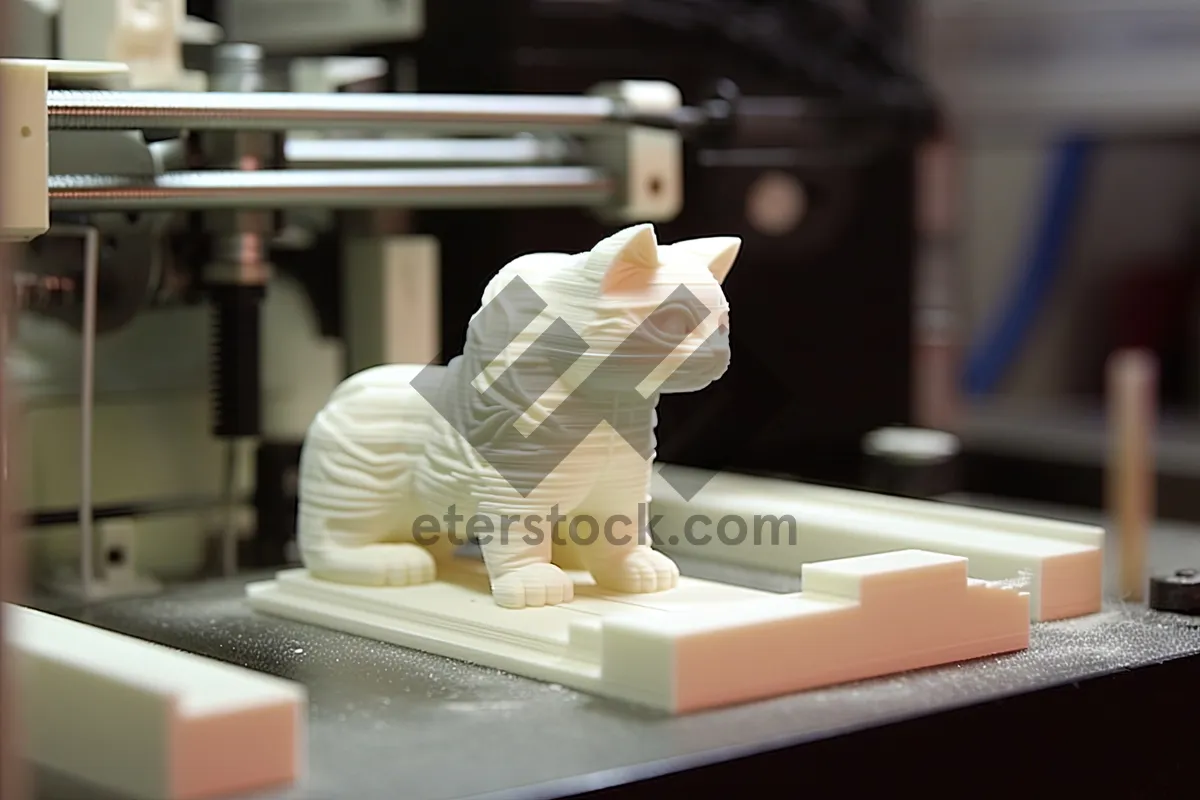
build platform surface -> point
(387, 722)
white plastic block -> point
(698, 646)
(144, 34)
(24, 150)
(145, 721)
(782, 526)
(392, 295)
(322, 26)
(301, 366)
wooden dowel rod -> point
(1132, 395)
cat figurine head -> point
(658, 309)
(627, 315)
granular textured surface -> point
(388, 722)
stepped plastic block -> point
(781, 526)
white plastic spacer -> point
(24, 150)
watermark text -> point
(697, 530)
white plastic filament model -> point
(538, 442)
(511, 436)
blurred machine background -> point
(802, 140)
(1075, 148)
(958, 251)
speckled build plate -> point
(387, 721)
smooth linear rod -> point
(283, 111)
(338, 189)
(513, 151)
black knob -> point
(911, 462)
(1178, 592)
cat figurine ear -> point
(718, 252)
(627, 255)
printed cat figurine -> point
(540, 436)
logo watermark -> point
(492, 411)
(697, 530)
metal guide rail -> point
(283, 111)
(344, 187)
(483, 187)
(589, 150)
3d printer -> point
(791, 128)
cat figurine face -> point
(665, 304)
(638, 316)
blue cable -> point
(991, 359)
